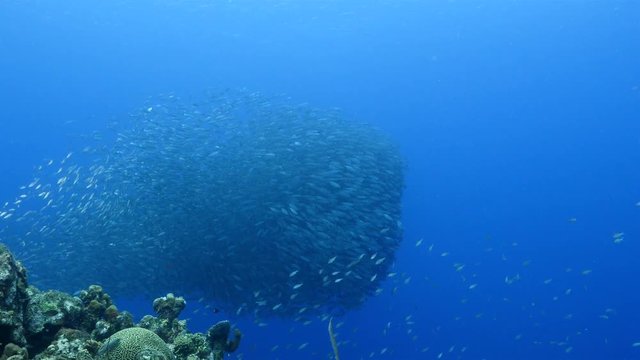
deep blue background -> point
(514, 117)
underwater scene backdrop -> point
(436, 179)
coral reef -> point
(13, 298)
(166, 325)
(52, 325)
(191, 346)
(68, 348)
(218, 336)
(101, 316)
(131, 343)
(47, 313)
(169, 307)
(14, 352)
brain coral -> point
(134, 344)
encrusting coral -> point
(52, 325)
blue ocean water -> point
(518, 121)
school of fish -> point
(255, 204)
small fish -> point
(473, 286)
(419, 242)
(618, 237)
(293, 273)
(108, 346)
(332, 260)
(297, 286)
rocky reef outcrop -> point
(13, 299)
(48, 325)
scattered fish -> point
(618, 237)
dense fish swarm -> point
(256, 204)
